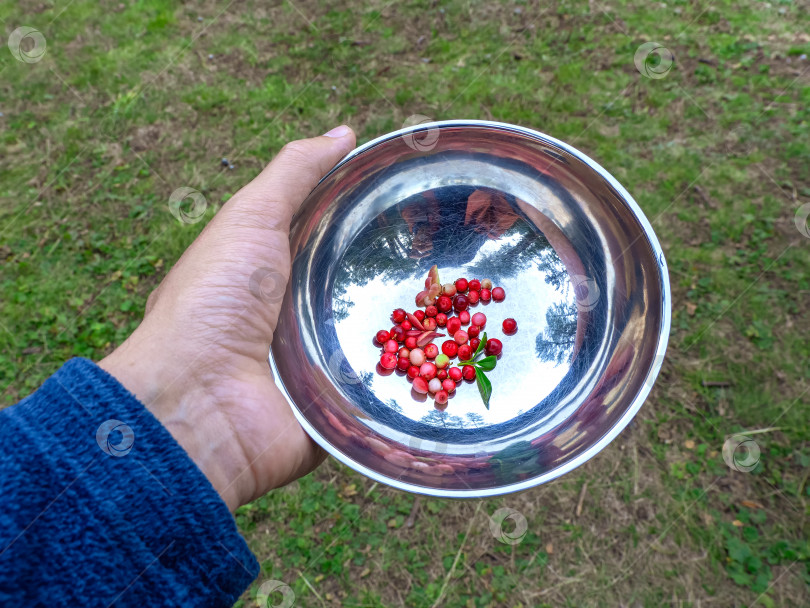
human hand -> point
(198, 361)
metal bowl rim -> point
(630, 412)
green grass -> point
(126, 106)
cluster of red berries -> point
(408, 345)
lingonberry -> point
(498, 294)
(427, 370)
(442, 360)
(473, 331)
(479, 319)
(444, 304)
(417, 356)
(509, 326)
(473, 297)
(435, 385)
(404, 352)
(475, 285)
(383, 336)
(391, 346)
(397, 333)
(448, 385)
(493, 346)
(461, 285)
(460, 337)
(431, 350)
(460, 303)
(454, 373)
(429, 324)
(420, 385)
(474, 342)
(442, 374)
(485, 294)
(410, 342)
(388, 360)
(450, 348)
(406, 325)
(413, 372)
(441, 319)
(449, 289)
(399, 315)
(465, 351)
(468, 372)
(403, 364)
(453, 325)
(431, 311)
(419, 314)
(441, 397)
(464, 317)
(486, 284)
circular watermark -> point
(741, 453)
(268, 285)
(195, 211)
(586, 292)
(496, 526)
(115, 438)
(653, 60)
(269, 588)
(341, 370)
(420, 140)
(30, 38)
(801, 218)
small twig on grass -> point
(581, 500)
(635, 470)
(412, 516)
(720, 384)
(311, 588)
(370, 490)
(455, 561)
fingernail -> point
(338, 131)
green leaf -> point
(484, 386)
(487, 363)
(480, 346)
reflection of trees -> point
(443, 419)
(551, 265)
(509, 261)
(557, 342)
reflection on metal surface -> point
(580, 266)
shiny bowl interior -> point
(585, 279)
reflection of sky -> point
(519, 382)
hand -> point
(198, 360)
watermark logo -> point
(268, 285)
(420, 140)
(272, 590)
(653, 60)
(192, 213)
(741, 453)
(586, 292)
(27, 44)
(801, 218)
(496, 526)
(115, 438)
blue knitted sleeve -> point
(100, 506)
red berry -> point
(427, 370)
(493, 347)
(444, 303)
(455, 374)
(383, 336)
(498, 294)
(474, 342)
(435, 385)
(460, 303)
(397, 333)
(460, 337)
(448, 385)
(475, 285)
(410, 342)
(399, 315)
(404, 352)
(486, 295)
(388, 360)
(431, 311)
(420, 385)
(509, 326)
(468, 372)
(465, 351)
(473, 297)
(441, 397)
(441, 319)
(403, 364)
(449, 289)
(417, 356)
(479, 319)
(429, 324)
(419, 314)
(461, 285)
(391, 346)
(450, 348)
(406, 325)
(431, 350)
(453, 325)
(473, 331)
(413, 372)
(464, 317)
(442, 374)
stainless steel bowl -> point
(585, 278)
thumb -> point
(278, 191)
